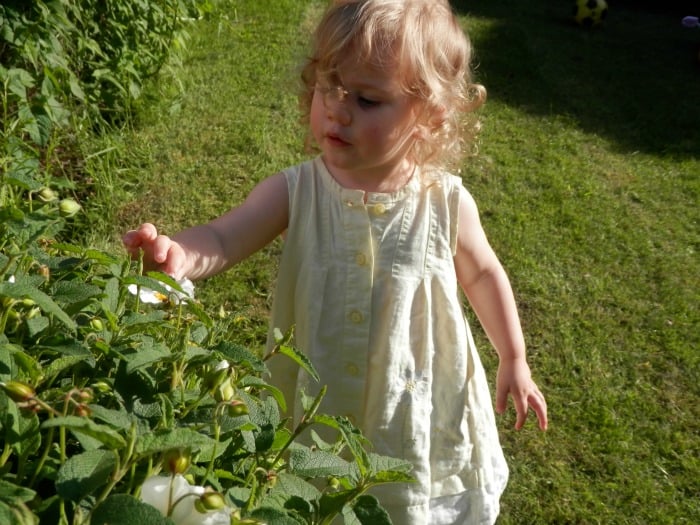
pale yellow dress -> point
(369, 282)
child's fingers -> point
(539, 406)
(521, 407)
(501, 399)
(135, 239)
(161, 248)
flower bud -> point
(214, 378)
(86, 395)
(47, 194)
(68, 207)
(102, 386)
(96, 324)
(34, 312)
(210, 500)
(334, 483)
(82, 410)
(18, 391)
(224, 392)
(236, 408)
(177, 460)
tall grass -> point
(588, 181)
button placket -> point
(358, 295)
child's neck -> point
(375, 181)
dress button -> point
(352, 369)
(360, 259)
(356, 316)
(379, 209)
(349, 203)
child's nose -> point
(337, 110)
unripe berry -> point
(224, 391)
(68, 207)
(47, 195)
(18, 391)
(210, 500)
(177, 461)
(236, 408)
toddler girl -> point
(378, 239)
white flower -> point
(11, 279)
(222, 365)
(146, 295)
(174, 492)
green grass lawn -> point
(588, 181)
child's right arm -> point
(208, 249)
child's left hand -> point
(514, 378)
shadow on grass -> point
(634, 80)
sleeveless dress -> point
(368, 281)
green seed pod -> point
(177, 460)
(237, 408)
(210, 500)
(224, 391)
(334, 483)
(18, 391)
(214, 378)
(68, 207)
(47, 194)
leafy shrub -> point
(101, 392)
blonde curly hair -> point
(432, 52)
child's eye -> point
(367, 103)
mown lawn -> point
(588, 180)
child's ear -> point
(432, 119)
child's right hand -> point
(160, 252)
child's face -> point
(363, 122)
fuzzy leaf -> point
(84, 473)
(20, 290)
(10, 492)
(240, 356)
(123, 509)
(299, 358)
(102, 433)
(309, 463)
(171, 439)
(369, 512)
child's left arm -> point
(488, 289)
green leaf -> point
(110, 301)
(308, 463)
(170, 439)
(370, 512)
(17, 513)
(106, 435)
(240, 356)
(70, 292)
(388, 469)
(275, 392)
(115, 418)
(332, 503)
(10, 492)
(299, 358)
(352, 437)
(21, 290)
(147, 354)
(57, 366)
(273, 516)
(123, 509)
(84, 473)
